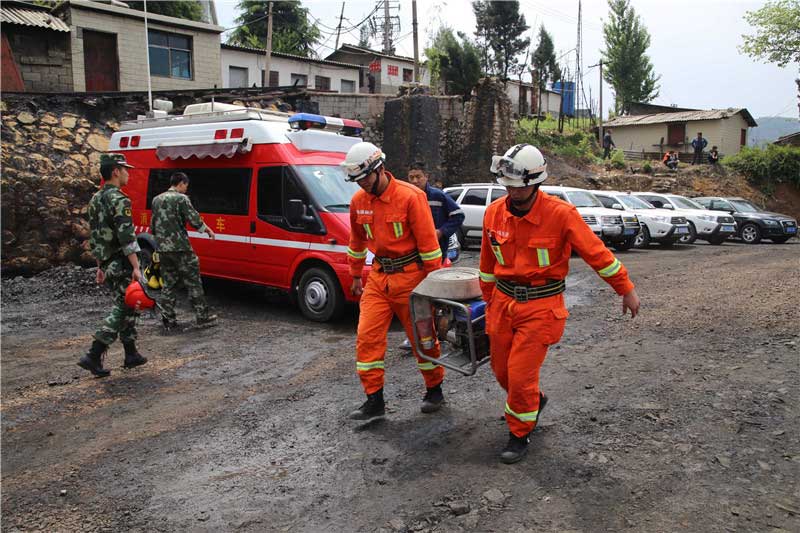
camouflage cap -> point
(115, 160)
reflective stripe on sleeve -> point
(357, 255)
(368, 230)
(434, 203)
(456, 212)
(498, 254)
(611, 269)
(524, 417)
(488, 278)
(364, 367)
(427, 365)
(430, 256)
(544, 257)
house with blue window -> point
(109, 48)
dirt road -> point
(685, 419)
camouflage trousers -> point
(181, 268)
(122, 319)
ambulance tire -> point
(319, 295)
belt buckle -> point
(388, 266)
(520, 293)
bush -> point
(576, 144)
(618, 159)
(647, 168)
(767, 167)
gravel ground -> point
(684, 419)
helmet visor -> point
(509, 168)
(360, 171)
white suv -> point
(474, 198)
(659, 225)
(707, 225)
(613, 227)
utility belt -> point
(392, 265)
(523, 293)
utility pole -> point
(578, 53)
(600, 114)
(416, 43)
(387, 28)
(268, 65)
(147, 57)
(339, 28)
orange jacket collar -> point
(386, 196)
(534, 216)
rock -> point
(459, 507)
(40, 164)
(68, 121)
(495, 496)
(63, 492)
(80, 159)
(470, 521)
(62, 145)
(97, 142)
(724, 461)
(397, 524)
(26, 118)
(3, 107)
(49, 119)
(83, 123)
(112, 125)
(41, 137)
(62, 133)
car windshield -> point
(744, 207)
(328, 186)
(583, 199)
(633, 202)
(685, 203)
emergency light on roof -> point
(306, 121)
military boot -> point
(433, 400)
(169, 325)
(374, 407)
(515, 450)
(93, 360)
(132, 356)
(207, 321)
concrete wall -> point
(368, 108)
(724, 133)
(128, 25)
(42, 56)
(254, 63)
(384, 83)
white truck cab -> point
(711, 226)
(659, 225)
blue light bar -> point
(305, 121)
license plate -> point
(728, 228)
(629, 231)
(791, 229)
(681, 230)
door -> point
(676, 134)
(100, 61)
(474, 206)
(237, 77)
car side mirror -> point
(617, 206)
(296, 213)
(666, 206)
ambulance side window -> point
(223, 191)
(276, 186)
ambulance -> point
(268, 183)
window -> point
(276, 186)
(743, 138)
(322, 83)
(606, 201)
(274, 78)
(475, 197)
(392, 70)
(348, 86)
(237, 76)
(655, 201)
(498, 193)
(223, 191)
(408, 74)
(298, 79)
(170, 54)
(676, 134)
(454, 194)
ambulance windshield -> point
(328, 186)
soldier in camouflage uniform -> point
(113, 244)
(171, 211)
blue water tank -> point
(567, 91)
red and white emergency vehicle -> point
(268, 183)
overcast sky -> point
(693, 48)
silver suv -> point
(474, 198)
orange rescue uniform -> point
(533, 250)
(392, 225)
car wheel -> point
(751, 234)
(319, 295)
(643, 239)
(462, 239)
(779, 240)
(691, 237)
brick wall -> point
(42, 56)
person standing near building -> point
(608, 144)
(713, 156)
(525, 251)
(390, 218)
(172, 210)
(113, 243)
(699, 144)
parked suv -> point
(753, 223)
(474, 198)
(711, 226)
(614, 228)
(659, 225)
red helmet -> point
(136, 297)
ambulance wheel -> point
(319, 295)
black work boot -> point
(515, 450)
(207, 321)
(132, 356)
(374, 407)
(169, 325)
(433, 399)
(93, 360)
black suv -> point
(752, 223)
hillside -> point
(770, 128)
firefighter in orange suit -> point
(527, 241)
(390, 218)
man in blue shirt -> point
(699, 144)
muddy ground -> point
(684, 419)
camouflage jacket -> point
(171, 211)
(111, 224)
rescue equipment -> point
(362, 160)
(136, 297)
(447, 304)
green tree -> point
(627, 66)
(544, 60)
(498, 30)
(777, 38)
(454, 65)
(291, 31)
(182, 9)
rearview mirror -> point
(617, 206)
(296, 213)
(667, 206)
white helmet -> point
(362, 159)
(522, 165)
